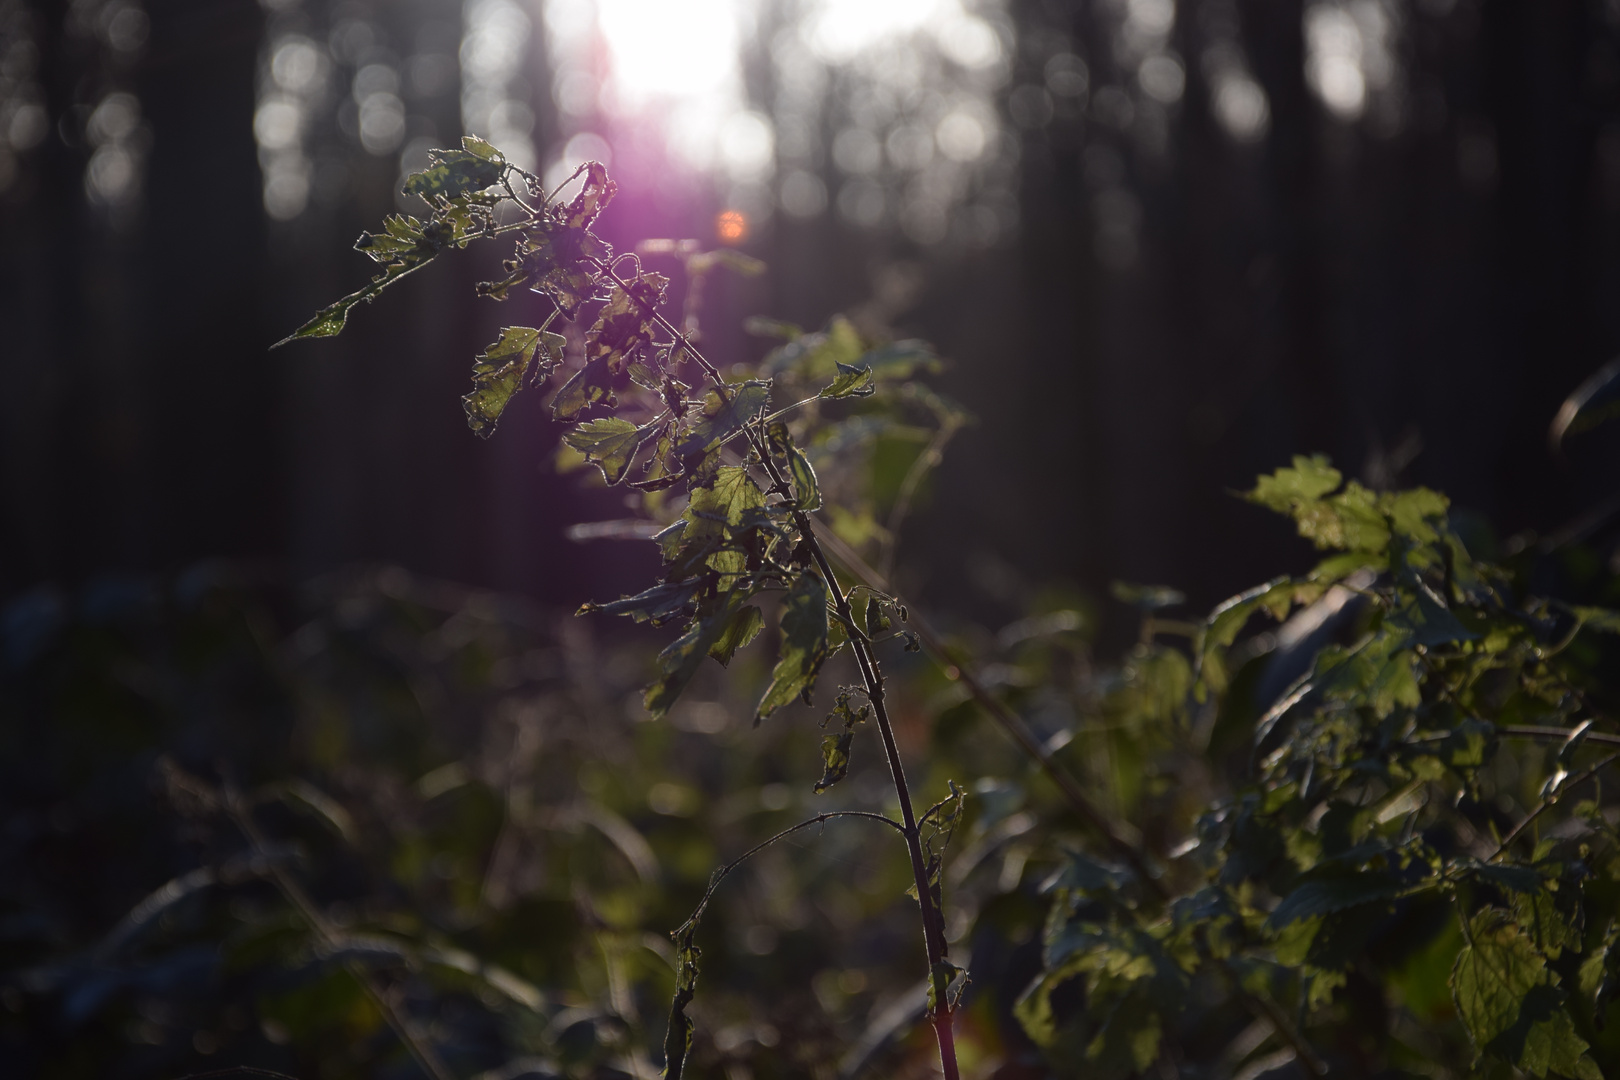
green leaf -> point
(876, 621)
(499, 371)
(804, 644)
(680, 659)
(834, 759)
(656, 605)
(610, 443)
(403, 239)
(850, 382)
(624, 326)
(678, 1035)
(835, 748)
(593, 383)
(1511, 1003)
(329, 321)
(713, 514)
(1326, 895)
(722, 417)
(744, 626)
(455, 172)
(1308, 480)
(806, 491)
(481, 149)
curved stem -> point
(720, 875)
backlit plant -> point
(1314, 853)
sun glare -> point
(671, 50)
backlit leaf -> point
(679, 660)
(744, 626)
(610, 443)
(1306, 481)
(804, 644)
(850, 382)
(723, 417)
(656, 605)
(499, 371)
(593, 383)
(806, 491)
(455, 172)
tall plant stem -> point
(933, 919)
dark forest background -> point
(1164, 245)
(1411, 291)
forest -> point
(1141, 470)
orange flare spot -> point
(732, 226)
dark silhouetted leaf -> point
(657, 605)
(590, 384)
(806, 491)
(804, 644)
(744, 626)
(680, 659)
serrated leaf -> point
(713, 515)
(329, 321)
(624, 326)
(481, 148)
(1324, 896)
(498, 374)
(609, 443)
(593, 383)
(850, 382)
(722, 417)
(457, 172)
(744, 626)
(679, 660)
(1308, 480)
(804, 644)
(656, 605)
(403, 239)
(876, 621)
(834, 759)
(806, 490)
(1511, 1003)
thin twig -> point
(1552, 798)
(720, 875)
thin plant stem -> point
(933, 920)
